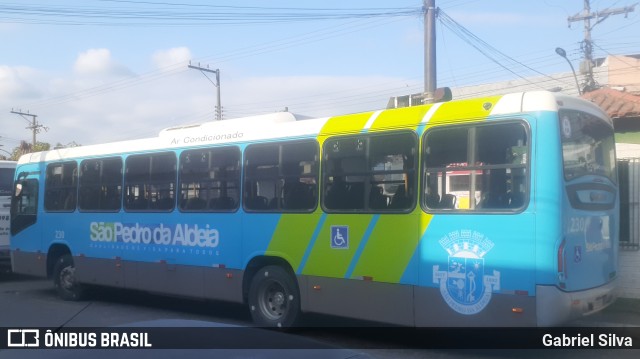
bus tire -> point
(64, 279)
(274, 298)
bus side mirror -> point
(18, 189)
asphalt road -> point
(32, 302)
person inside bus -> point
(400, 199)
(377, 199)
(337, 194)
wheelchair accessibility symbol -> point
(340, 237)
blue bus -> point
(494, 211)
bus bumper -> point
(554, 306)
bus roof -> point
(287, 125)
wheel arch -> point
(56, 251)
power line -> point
(483, 47)
(171, 14)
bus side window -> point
(100, 185)
(281, 176)
(370, 173)
(61, 186)
(476, 167)
(150, 182)
(209, 179)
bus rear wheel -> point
(273, 298)
(64, 279)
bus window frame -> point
(149, 209)
(73, 192)
(281, 176)
(479, 210)
(368, 173)
(238, 179)
(80, 174)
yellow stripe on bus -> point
(473, 110)
(403, 118)
(340, 125)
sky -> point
(96, 71)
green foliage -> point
(628, 137)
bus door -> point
(25, 237)
(587, 254)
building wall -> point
(623, 72)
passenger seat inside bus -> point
(448, 201)
(222, 203)
(194, 203)
(257, 203)
(377, 200)
(432, 200)
(299, 196)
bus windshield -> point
(587, 146)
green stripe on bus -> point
(330, 262)
(390, 248)
(292, 236)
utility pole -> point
(587, 45)
(430, 83)
(216, 84)
(35, 127)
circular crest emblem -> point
(464, 285)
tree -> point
(26, 147)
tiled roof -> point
(615, 103)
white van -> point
(7, 172)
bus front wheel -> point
(273, 298)
(64, 279)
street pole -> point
(35, 126)
(587, 44)
(560, 51)
(430, 82)
(216, 84)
